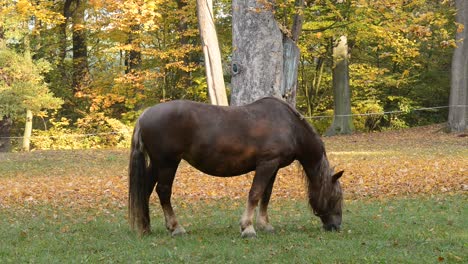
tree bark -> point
(27, 131)
(342, 121)
(257, 63)
(265, 60)
(209, 41)
(298, 19)
(291, 54)
(29, 114)
(80, 77)
(457, 118)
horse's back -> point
(224, 141)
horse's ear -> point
(337, 176)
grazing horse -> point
(228, 141)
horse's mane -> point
(323, 174)
(322, 169)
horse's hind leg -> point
(166, 174)
(153, 174)
(263, 222)
(263, 174)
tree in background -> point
(400, 59)
(22, 89)
(140, 53)
(342, 120)
(146, 52)
(458, 113)
(22, 86)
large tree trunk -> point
(80, 77)
(257, 63)
(265, 60)
(342, 121)
(5, 128)
(457, 119)
(209, 41)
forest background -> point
(87, 68)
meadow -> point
(405, 202)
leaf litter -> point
(420, 161)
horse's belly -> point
(221, 165)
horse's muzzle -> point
(332, 227)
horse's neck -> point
(312, 150)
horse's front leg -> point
(263, 174)
(263, 222)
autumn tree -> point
(22, 89)
(458, 113)
(140, 53)
(22, 86)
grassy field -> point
(423, 230)
(406, 202)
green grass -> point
(403, 230)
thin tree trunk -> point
(29, 114)
(298, 19)
(64, 42)
(209, 41)
(80, 77)
(291, 55)
(185, 40)
(27, 130)
(133, 57)
(342, 121)
(5, 128)
(457, 119)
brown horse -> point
(228, 141)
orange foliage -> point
(380, 165)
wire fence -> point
(385, 112)
(72, 135)
(124, 132)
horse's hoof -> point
(249, 232)
(267, 228)
(178, 231)
(144, 233)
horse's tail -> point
(138, 197)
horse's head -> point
(327, 200)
